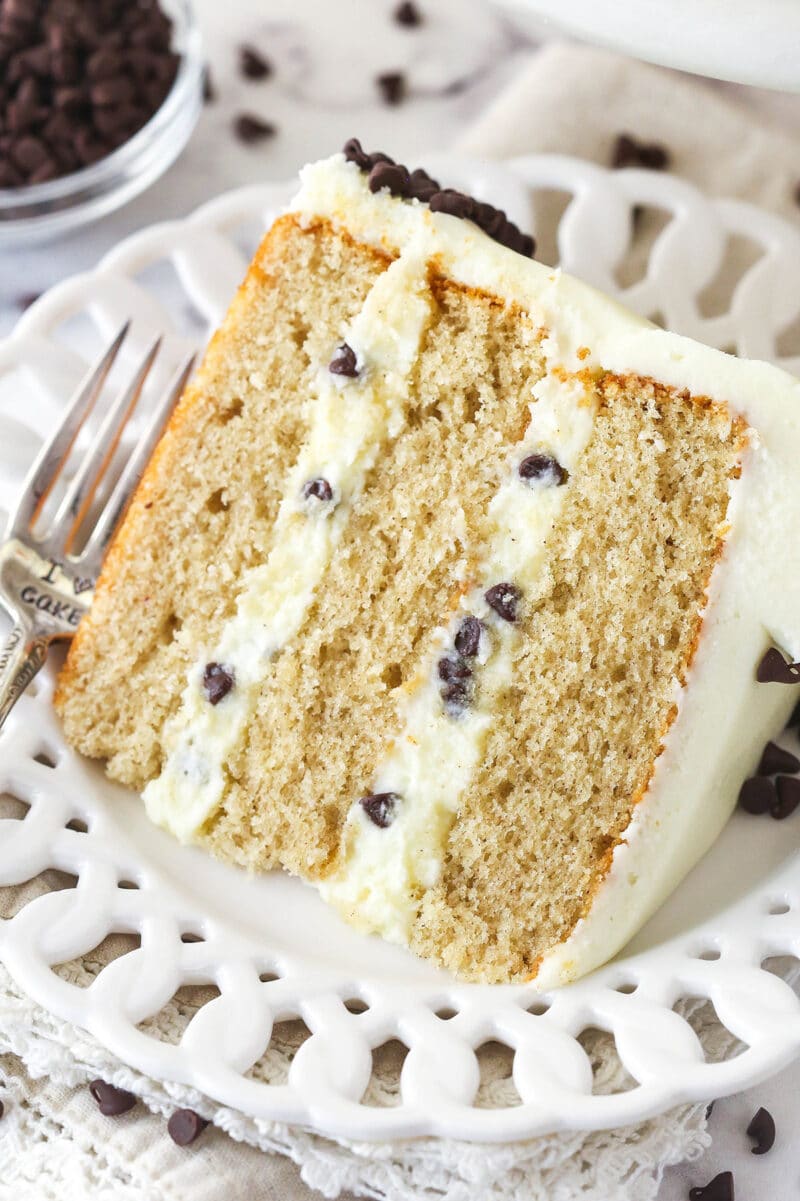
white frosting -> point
(724, 716)
(351, 421)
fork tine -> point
(51, 458)
(92, 556)
(79, 495)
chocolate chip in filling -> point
(455, 684)
(319, 489)
(468, 637)
(344, 362)
(504, 599)
(380, 807)
(543, 469)
(217, 682)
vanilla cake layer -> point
(465, 629)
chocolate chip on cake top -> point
(384, 172)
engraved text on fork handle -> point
(21, 658)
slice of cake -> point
(447, 586)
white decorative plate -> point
(720, 271)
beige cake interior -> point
(609, 631)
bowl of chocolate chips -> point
(97, 99)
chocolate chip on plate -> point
(253, 64)
(250, 129)
(757, 795)
(774, 759)
(468, 637)
(111, 1101)
(392, 86)
(794, 717)
(217, 682)
(774, 669)
(407, 14)
(630, 152)
(543, 469)
(344, 362)
(184, 1126)
(209, 90)
(762, 1130)
(504, 599)
(319, 489)
(718, 1189)
(380, 807)
(788, 797)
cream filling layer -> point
(724, 716)
(351, 422)
(383, 872)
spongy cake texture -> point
(600, 641)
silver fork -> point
(44, 588)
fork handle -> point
(21, 658)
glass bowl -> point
(41, 211)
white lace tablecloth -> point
(53, 1142)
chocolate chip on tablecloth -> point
(630, 152)
(77, 80)
(392, 86)
(251, 129)
(252, 63)
(774, 759)
(407, 14)
(185, 1126)
(718, 1189)
(762, 1131)
(111, 1101)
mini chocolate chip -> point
(788, 797)
(184, 1126)
(344, 362)
(718, 1189)
(217, 682)
(391, 176)
(422, 186)
(379, 807)
(252, 63)
(774, 669)
(774, 759)
(209, 90)
(392, 86)
(456, 696)
(794, 717)
(455, 204)
(453, 669)
(319, 489)
(111, 1101)
(757, 795)
(544, 469)
(407, 14)
(762, 1129)
(629, 152)
(504, 599)
(354, 153)
(468, 638)
(250, 129)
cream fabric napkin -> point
(53, 1142)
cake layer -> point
(458, 554)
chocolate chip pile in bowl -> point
(83, 79)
